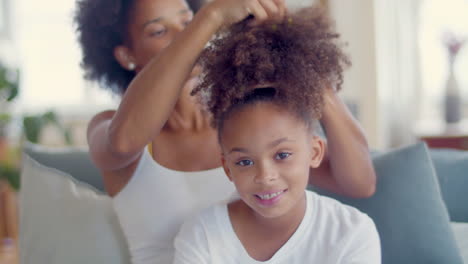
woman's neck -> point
(186, 118)
(187, 114)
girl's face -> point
(267, 154)
(153, 24)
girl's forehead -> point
(262, 111)
(261, 120)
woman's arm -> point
(116, 139)
(347, 167)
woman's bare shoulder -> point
(116, 168)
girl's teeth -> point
(269, 196)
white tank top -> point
(157, 200)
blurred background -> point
(408, 82)
(408, 60)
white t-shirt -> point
(330, 232)
(157, 200)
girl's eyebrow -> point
(270, 145)
(243, 150)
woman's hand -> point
(347, 167)
(232, 11)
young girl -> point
(264, 87)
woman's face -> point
(267, 154)
(153, 24)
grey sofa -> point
(409, 197)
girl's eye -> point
(244, 163)
(282, 155)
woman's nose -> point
(178, 26)
(175, 29)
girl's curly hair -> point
(299, 57)
(101, 26)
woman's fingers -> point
(257, 10)
(233, 11)
(267, 9)
(270, 8)
(282, 10)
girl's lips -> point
(271, 192)
(269, 198)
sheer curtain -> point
(398, 72)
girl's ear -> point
(318, 151)
(123, 56)
(225, 167)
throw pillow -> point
(72, 160)
(66, 221)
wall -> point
(299, 3)
(355, 23)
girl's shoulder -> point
(334, 212)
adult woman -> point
(155, 39)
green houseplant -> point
(9, 89)
(32, 126)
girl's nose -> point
(265, 174)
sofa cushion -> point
(66, 221)
(407, 209)
(72, 160)
(452, 171)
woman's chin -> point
(196, 71)
(191, 83)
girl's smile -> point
(270, 198)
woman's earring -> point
(131, 66)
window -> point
(437, 18)
(49, 59)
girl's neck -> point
(287, 223)
(282, 225)
(263, 237)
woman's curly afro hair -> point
(101, 26)
(299, 57)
